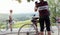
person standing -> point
(10, 20)
(44, 14)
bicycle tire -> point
(25, 25)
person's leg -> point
(10, 27)
(47, 22)
(41, 21)
(35, 24)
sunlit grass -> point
(20, 23)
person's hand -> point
(35, 9)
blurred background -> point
(23, 10)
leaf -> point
(19, 1)
(28, 0)
(32, 0)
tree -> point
(26, 0)
(54, 7)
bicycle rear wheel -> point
(27, 29)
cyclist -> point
(34, 20)
(10, 20)
(43, 9)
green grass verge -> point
(20, 23)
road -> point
(23, 31)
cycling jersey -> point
(43, 8)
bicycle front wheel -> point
(27, 29)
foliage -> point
(54, 7)
(26, 0)
(20, 23)
(19, 1)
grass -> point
(20, 23)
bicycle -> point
(31, 25)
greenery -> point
(19, 24)
(26, 0)
(54, 7)
(16, 17)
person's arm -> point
(35, 8)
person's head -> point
(41, 0)
(36, 2)
(11, 11)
